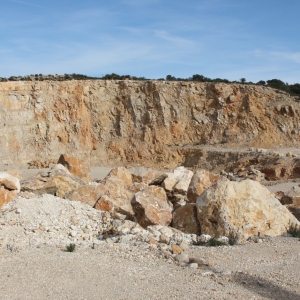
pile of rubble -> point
(139, 205)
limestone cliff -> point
(138, 121)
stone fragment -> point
(169, 183)
(184, 177)
(200, 181)
(88, 194)
(39, 185)
(6, 196)
(184, 246)
(185, 219)
(119, 194)
(176, 249)
(122, 173)
(176, 185)
(9, 182)
(27, 195)
(242, 209)
(151, 207)
(76, 166)
(292, 196)
(65, 181)
(198, 261)
(147, 175)
(182, 257)
(193, 266)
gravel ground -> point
(268, 270)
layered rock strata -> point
(121, 122)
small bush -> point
(71, 248)
(214, 243)
(294, 231)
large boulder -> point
(39, 184)
(64, 180)
(120, 191)
(292, 196)
(76, 166)
(57, 181)
(200, 181)
(9, 182)
(6, 196)
(185, 219)
(88, 194)
(242, 209)
(292, 201)
(147, 175)
(122, 173)
(177, 184)
(152, 207)
(9, 188)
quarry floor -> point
(266, 270)
(269, 269)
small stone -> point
(164, 239)
(176, 249)
(73, 233)
(204, 238)
(153, 242)
(198, 261)
(193, 266)
(184, 246)
(183, 257)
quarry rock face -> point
(242, 209)
(123, 122)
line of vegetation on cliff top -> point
(293, 89)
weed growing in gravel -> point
(294, 231)
(71, 248)
(214, 243)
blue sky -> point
(254, 39)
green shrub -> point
(214, 243)
(294, 231)
(71, 248)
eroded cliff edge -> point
(132, 122)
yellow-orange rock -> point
(88, 194)
(6, 196)
(186, 220)
(242, 209)
(9, 182)
(76, 166)
(152, 207)
(122, 173)
(200, 181)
